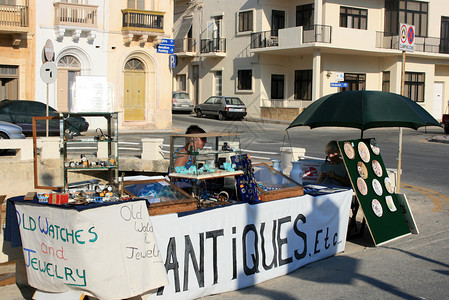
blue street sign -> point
(164, 48)
(172, 61)
(167, 42)
(339, 84)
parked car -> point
(181, 102)
(10, 131)
(21, 112)
(223, 107)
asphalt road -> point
(424, 164)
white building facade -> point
(112, 41)
(279, 56)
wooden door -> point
(134, 98)
(62, 90)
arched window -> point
(69, 61)
(134, 65)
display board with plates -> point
(374, 189)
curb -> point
(444, 139)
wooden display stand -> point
(167, 205)
(287, 190)
(280, 194)
(170, 207)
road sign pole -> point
(399, 170)
(46, 121)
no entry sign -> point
(407, 37)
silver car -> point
(181, 102)
(10, 131)
(223, 107)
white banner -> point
(92, 94)
(237, 246)
(110, 252)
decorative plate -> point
(364, 152)
(374, 147)
(349, 150)
(377, 208)
(377, 187)
(377, 168)
(390, 203)
(389, 185)
(361, 185)
(363, 171)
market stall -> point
(204, 251)
(219, 225)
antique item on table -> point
(100, 135)
(377, 187)
(84, 161)
(204, 162)
(223, 196)
(273, 185)
(364, 152)
(390, 203)
(349, 150)
(361, 186)
(111, 160)
(43, 197)
(374, 147)
(377, 168)
(389, 185)
(377, 208)
(30, 196)
(363, 171)
(163, 196)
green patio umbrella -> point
(365, 110)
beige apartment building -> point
(278, 56)
(17, 49)
(140, 75)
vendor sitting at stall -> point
(333, 170)
(183, 157)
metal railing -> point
(13, 16)
(263, 39)
(187, 45)
(213, 45)
(143, 20)
(388, 40)
(317, 34)
(76, 15)
(312, 34)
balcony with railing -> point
(13, 18)
(141, 24)
(290, 38)
(213, 47)
(75, 18)
(387, 40)
(186, 47)
(14, 22)
(263, 39)
(143, 21)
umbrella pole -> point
(399, 171)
